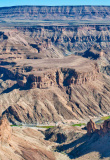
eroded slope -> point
(54, 90)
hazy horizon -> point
(53, 5)
(8, 3)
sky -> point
(4, 3)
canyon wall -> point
(61, 77)
(56, 12)
(69, 39)
(52, 41)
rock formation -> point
(56, 12)
(44, 77)
(54, 41)
(53, 90)
(94, 52)
(5, 131)
(22, 83)
(69, 39)
(26, 143)
(91, 127)
(106, 126)
(61, 134)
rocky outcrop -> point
(91, 127)
(85, 147)
(58, 76)
(26, 143)
(94, 52)
(5, 131)
(63, 77)
(61, 134)
(106, 126)
(22, 82)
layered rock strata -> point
(56, 12)
(69, 39)
(61, 76)
(54, 41)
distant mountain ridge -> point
(56, 12)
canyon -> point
(54, 78)
(62, 141)
(55, 12)
(35, 42)
(34, 63)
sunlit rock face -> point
(5, 131)
(104, 128)
(91, 127)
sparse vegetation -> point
(105, 118)
(45, 127)
(14, 125)
(79, 124)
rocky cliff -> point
(57, 12)
(104, 128)
(61, 77)
(68, 73)
(5, 131)
(53, 41)
(68, 88)
(69, 39)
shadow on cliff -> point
(15, 86)
(86, 145)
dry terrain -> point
(56, 143)
(54, 77)
(55, 12)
